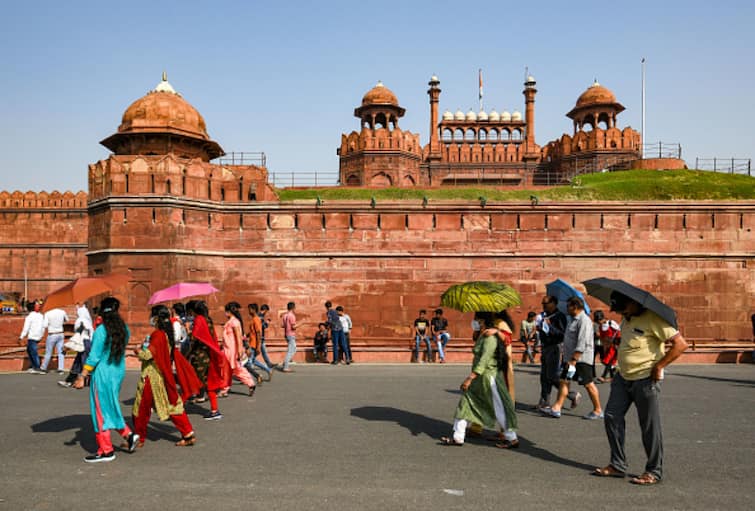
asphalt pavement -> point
(366, 437)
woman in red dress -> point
(157, 387)
(218, 372)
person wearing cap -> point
(642, 359)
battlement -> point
(43, 200)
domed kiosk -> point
(380, 154)
(162, 122)
(594, 106)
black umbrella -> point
(601, 288)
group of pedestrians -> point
(568, 355)
(183, 361)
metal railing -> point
(308, 179)
(243, 158)
(662, 150)
(725, 165)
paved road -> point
(365, 437)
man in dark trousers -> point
(642, 359)
(551, 327)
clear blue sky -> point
(285, 77)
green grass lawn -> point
(631, 185)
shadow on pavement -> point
(83, 436)
(414, 422)
(434, 428)
(742, 383)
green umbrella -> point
(479, 296)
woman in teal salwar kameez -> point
(107, 365)
(485, 399)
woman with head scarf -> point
(209, 359)
(157, 386)
(485, 399)
(106, 364)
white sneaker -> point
(63, 383)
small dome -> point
(482, 116)
(596, 94)
(530, 78)
(448, 116)
(434, 78)
(494, 116)
(459, 115)
(505, 116)
(379, 95)
(471, 116)
(516, 116)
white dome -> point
(516, 116)
(530, 78)
(505, 115)
(482, 116)
(448, 116)
(434, 78)
(471, 116)
(459, 115)
(494, 116)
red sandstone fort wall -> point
(385, 263)
(43, 240)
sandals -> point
(187, 441)
(508, 444)
(608, 471)
(645, 479)
(444, 440)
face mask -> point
(476, 325)
(153, 321)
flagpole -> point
(642, 133)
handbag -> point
(75, 343)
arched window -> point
(470, 135)
(516, 135)
(167, 186)
(458, 135)
(505, 135)
(493, 135)
(448, 135)
(222, 194)
(482, 135)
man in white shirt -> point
(346, 324)
(34, 330)
(54, 320)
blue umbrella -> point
(563, 291)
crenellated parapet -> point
(43, 200)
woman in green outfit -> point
(485, 399)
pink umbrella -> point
(182, 290)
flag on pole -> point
(480, 95)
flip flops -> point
(646, 479)
(608, 471)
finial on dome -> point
(165, 86)
(379, 84)
(595, 83)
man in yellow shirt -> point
(642, 358)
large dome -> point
(596, 94)
(163, 111)
(379, 95)
(161, 122)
